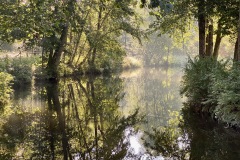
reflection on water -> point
(70, 119)
(102, 118)
(155, 92)
(208, 140)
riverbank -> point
(227, 116)
(212, 87)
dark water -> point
(135, 115)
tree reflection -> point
(155, 91)
(209, 140)
(77, 119)
(194, 138)
(169, 141)
(12, 133)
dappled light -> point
(119, 80)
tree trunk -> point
(217, 46)
(92, 61)
(218, 42)
(93, 57)
(235, 57)
(54, 60)
(201, 28)
(238, 42)
(209, 48)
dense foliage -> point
(216, 19)
(5, 88)
(213, 86)
(198, 78)
(21, 68)
(82, 35)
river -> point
(134, 115)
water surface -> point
(134, 115)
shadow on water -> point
(210, 140)
(100, 118)
(71, 119)
(195, 138)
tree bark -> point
(201, 27)
(94, 53)
(238, 42)
(235, 57)
(218, 41)
(54, 60)
(209, 48)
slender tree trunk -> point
(218, 41)
(201, 27)
(93, 57)
(92, 62)
(235, 57)
(209, 48)
(75, 48)
(238, 42)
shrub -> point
(230, 84)
(5, 88)
(4, 64)
(131, 62)
(219, 73)
(228, 98)
(197, 79)
(21, 69)
(215, 86)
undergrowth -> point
(214, 87)
(20, 68)
(5, 88)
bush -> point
(131, 62)
(219, 73)
(215, 86)
(230, 88)
(21, 69)
(197, 79)
(5, 88)
(22, 73)
(4, 64)
(226, 90)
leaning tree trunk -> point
(201, 28)
(54, 59)
(218, 41)
(94, 52)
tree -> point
(81, 32)
(106, 22)
(238, 37)
(207, 12)
(33, 22)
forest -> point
(120, 79)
